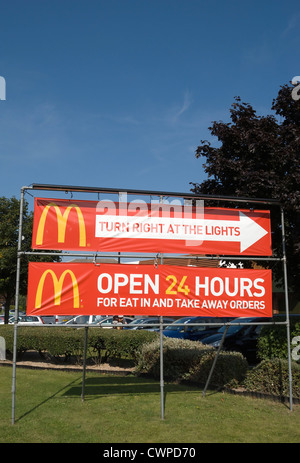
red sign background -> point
(112, 289)
(86, 226)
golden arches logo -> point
(57, 283)
(61, 224)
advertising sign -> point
(106, 226)
(132, 289)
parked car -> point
(175, 329)
(146, 323)
(23, 318)
(114, 320)
(240, 338)
(49, 319)
(62, 319)
(207, 326)
(12, 313)
(29, 319)
(11, 318)
(135, 322)
(85, 320)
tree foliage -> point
(9, 235)
(258, 157)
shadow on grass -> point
(45, 401)
(102, 386)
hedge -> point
(231, 368)
(272, 341)
(183, 360)
(272, 377)
(64, 343)
(190, 361)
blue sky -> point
(119, 93)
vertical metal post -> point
(84, 362)
(161, 357)
(13, 389)
(215, 361)
(287, 310)
(162, 405)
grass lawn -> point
(127, 409)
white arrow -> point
(245, 231)
(251, 231)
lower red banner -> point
(130, 289)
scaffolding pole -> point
(84, 362)
(17, 304)
(287, 310)
(215, 361)
(162, 403)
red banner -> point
(112, 289)
(106, 226)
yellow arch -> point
(61, 224)
(58, 283)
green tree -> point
(259, 157)
(9, 233)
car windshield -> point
(138, 320)
(80, 320)
(152, 320)
(178, 324)
(107, 321)
(235, 328)
(112, 321)
(97, 319)
(29, 319)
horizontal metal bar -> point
(166, 256)
(50, 187)
(82, 325)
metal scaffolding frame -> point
(161, 194)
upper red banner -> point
(107, 226)
(131, 289)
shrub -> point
(272, 342)
(178, 356)
(118, 343)
(190, 361)
(272, 377)
(231, 367)
(57, 342)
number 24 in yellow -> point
(181, 288)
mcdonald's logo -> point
(58, 284)
(62, 219)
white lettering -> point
(120, 280)
(108, 283)
(205, 286)
(246, 284)
(241, 287)
(138, 283)
(213, 289)
(257, 286)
